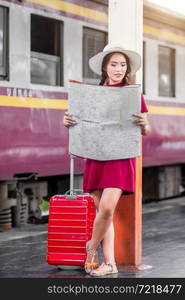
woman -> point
(107, 180)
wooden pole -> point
(128, 226)
(126, 28)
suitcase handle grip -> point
(75, 191)
(73, 195)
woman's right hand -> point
(68, 120)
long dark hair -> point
(104, 75)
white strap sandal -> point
(105, 269)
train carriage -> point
(44, 44)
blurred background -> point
(43, 45)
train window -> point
(93, 42)
(3, 42)
(46, 51)
(166, 71)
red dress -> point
(113, 173)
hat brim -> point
(95, 62)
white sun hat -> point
(95, 62)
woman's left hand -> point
(141, 120)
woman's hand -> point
(141, 120)
(68, 120)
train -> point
(43, 45)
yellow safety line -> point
(166, 110)
(170, 36)
(33, 102)
(73, 9)
(63, 104)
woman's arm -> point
(142, 121)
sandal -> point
(93, 262)
(105, 269)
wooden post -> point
(128, 226)
(126, 28)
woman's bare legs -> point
(103, 230)
(108, 240)
(104, 217)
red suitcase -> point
(70, 226)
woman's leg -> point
(108, 240)
(92, 256)
(104, 217)
(103, 230)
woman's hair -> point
(106, 60)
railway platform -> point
(23, 250)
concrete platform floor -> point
(23, 250)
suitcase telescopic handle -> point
(72, 193)
(72, 190)
(71, 174)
